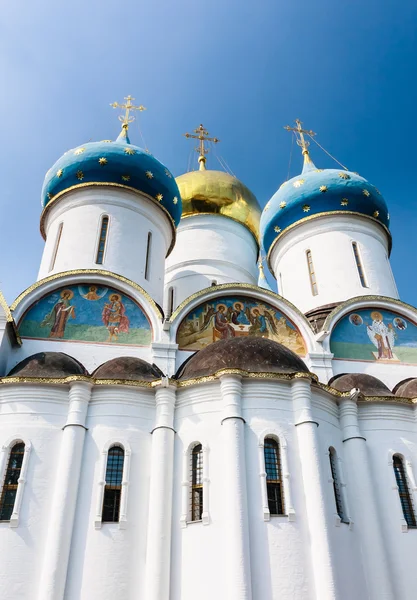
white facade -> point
(56, 545)
(330, 239)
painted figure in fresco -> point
(400, 324)
(356, 320)
(237, 315)
(221, 323)
(258, 323)
(382, 336)
(92, 293)
(59, 315)
(114, 317)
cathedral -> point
(174, 427)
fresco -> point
(237, 316)
(375, 335)
(87, 313)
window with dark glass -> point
(58, 239)
(148, 255)
(113, 487)
(11, 481)
(404, 491)
(338, 498)
(197, 483)
(359, 265)
(102, 240)
(170, 301)
(273, 477)
(312, 274)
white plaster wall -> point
(109, 563)
(32, 414)
(390, 374)
(330, 241)
(131, 217)
(209, 248)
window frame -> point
(411, 487)
(4, 463)
(312, 273)
(280, 438)
(338, 487)
(186, 508)
(56, 246)
(106, 237)
(122, 522)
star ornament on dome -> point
(130, 151)
(59, 173)
(149, 174)
(125, 177)
(298, 183)
(344, 202)
(102, 161)
(306, 208)
(323, 188)
(283, 205)
(168, 174)
(344, 176)
(175, 200)
(366, 193)
(79, 151)
(277, 229)
(80, 175)
(376, 214)
(159, 197)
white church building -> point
(170, 427)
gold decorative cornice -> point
(93, 272)
(58, 196)
(240, 286)
(70, 378)
(6, 308)
(325, 214)
(367, 299)
(209, 214)
(248, 375)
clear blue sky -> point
(244, 69)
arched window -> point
(148, 255)
(196, 488)
(11, 481)
(312, 274)
(273, 470)
(213, 283)
(171, 294)
(403, 491)
(102, 240)
(359, 266)
(58, 239)
(338, 497)
(113, 485)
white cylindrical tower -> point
(111, 206)
(326, 235)
(217, 240)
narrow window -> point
(11, 481)
(404, 492)
(148, 256)
(58, 239)
(338, 498)
(113, 486)
(312, 274)
(102, 240)
(273, 477)
(197, 483)
(359, 266)
(170, 301)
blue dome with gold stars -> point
(118, 164)
(320, 192)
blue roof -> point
(116, 163)
(318, 191)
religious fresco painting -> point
(87, 313)
(237, 316)
(375, 335)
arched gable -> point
(373, 329)
(88, 306)
(240, 310)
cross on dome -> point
(203, 136)
(127, 107)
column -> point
(58, 544)
(363, 502)
(318, 523)
(158, 552)
(236, 527)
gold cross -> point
(128, 106)
(203, 136)
(301, 141)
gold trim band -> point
(101, 184)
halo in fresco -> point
(375, 335)
(237, 316)
(87, 313)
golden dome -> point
(216, 192)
